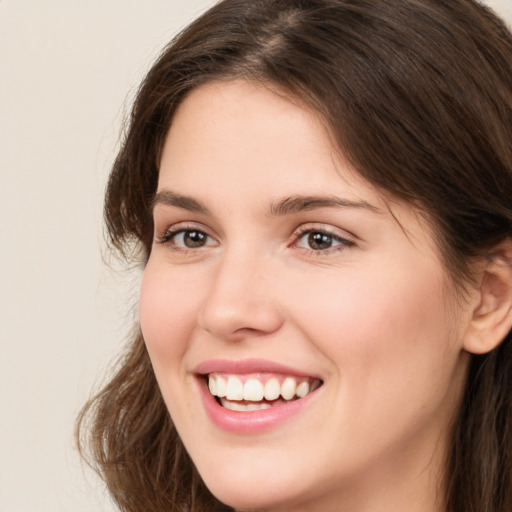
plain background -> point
(67, 73)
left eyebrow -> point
(296, 204)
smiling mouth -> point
(254, 392)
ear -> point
(492, 316)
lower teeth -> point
(244, 406)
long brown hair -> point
(418, 96)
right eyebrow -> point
(169, 198)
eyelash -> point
(344, 243)
(169, 236)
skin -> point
(374, 316)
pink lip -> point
(247, 366)
(250, 422)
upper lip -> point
(244, 366)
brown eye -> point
(193, 239)
(187, 239)
(320, 241)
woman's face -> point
(277, 271)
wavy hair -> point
(418, 97)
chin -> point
(250, 496)
(252, 488)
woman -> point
(322, 191)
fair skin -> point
(347, 290)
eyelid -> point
(345, 239)
(168, 233)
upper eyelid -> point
(325, 228)
(176, 227)
(162, 212)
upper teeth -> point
(232, 388)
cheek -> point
(368, 306)
(382, 330)
(167, 312)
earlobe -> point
(492, 317)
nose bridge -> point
(240, 300)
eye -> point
(191, 239)
(320, 240)
(187, 239)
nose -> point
(241, 299)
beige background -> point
(67, 71)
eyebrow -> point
(168, 198)
(286, 206)
(297, 204)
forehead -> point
(256, 134)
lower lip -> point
(250, 422)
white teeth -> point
(288, 388)
(212, 386)
(253, 390)
(232, 388)
(235, 389)
(235, 406)
(272, 389)
(302, 389)
(220, 387)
